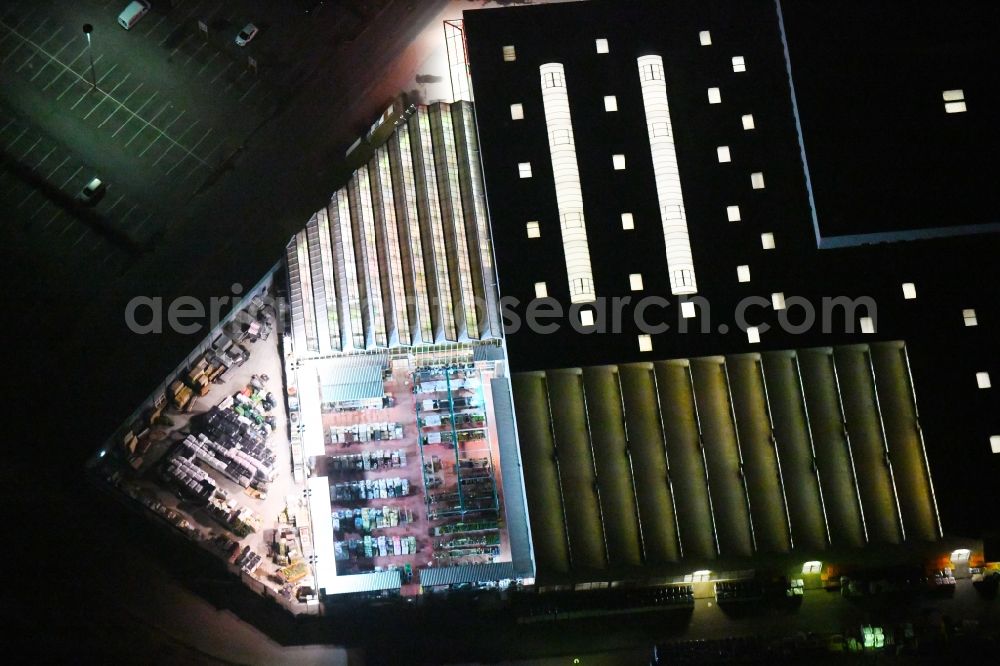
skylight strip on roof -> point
(566, 173)
(680, 263)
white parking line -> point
(151, 121)
(53, 58)
(141, 107)
(215, 54)
(203, 137)
(182, 43)
(42, 161)
(243, 96)
(237, 79)
(168, 36)
(150, 144)
(178, 162)
(193, 54)
(39, 210)
(23, 41)
(15, 186)
(115, 204)
(221, 72)
(66, 182)
(171, 123)
(31, 193)
(107, 95)
(89, 90)
(69, 66)
(39, 49)
(194, 9)
(182, 135)
(96, 244)
(156, 25)
(52, 219)
(68, 225)
(31, 148)
(146, 219)
(130, 211)
(161, 134)
(86, 230)
(65, 159)
(76, 79)
(11, 32)
(17, 138)
(120, 105)
(217, 152)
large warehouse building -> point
(666, 295)
(738, 366)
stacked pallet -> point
(196, 378)
(180, 394)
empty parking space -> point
(38, 182)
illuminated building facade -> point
(401, 256)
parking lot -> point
(164, 109)
(39, 209)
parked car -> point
(134, 11)
(248, 32)
(92, 192)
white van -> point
(131, 14)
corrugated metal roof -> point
(472, 573)
(366, 582)
(487, 352)
(352, 378)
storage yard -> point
(406, 446)
(211, 456)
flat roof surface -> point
(310, 409)
(950, 274)
(884, 156)
(322, 525)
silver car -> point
(248, 32)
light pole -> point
(87, 29)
